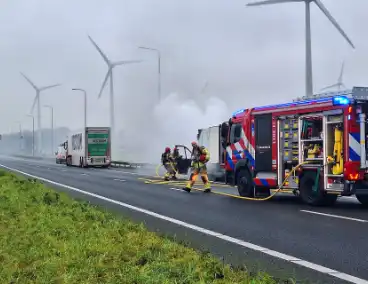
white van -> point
(60, 154)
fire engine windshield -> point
(235, 133)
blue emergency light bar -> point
(340, 100)
(238, 112)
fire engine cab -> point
(314, 147)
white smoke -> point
(176, 120)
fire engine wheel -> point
(311, 196)
(363, 199)
(245, 183)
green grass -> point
(47, 237)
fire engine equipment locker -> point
(289, 140)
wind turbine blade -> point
(204, 87)
(331, 86)
(49, 87)
(333, 21)
(126, 62)
(269, 2)
(341, 72)
(105, 81)
(34, 103)
(99, 51)
(29, 81)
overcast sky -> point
(249, 55)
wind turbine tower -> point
(339, 83)
(109, 74)
(308, 41)
(37, 100)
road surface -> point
(281, 236)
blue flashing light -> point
(238, 112)
(340, 100)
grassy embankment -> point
(47, 237)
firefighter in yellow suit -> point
(168, 161)
(200, 157)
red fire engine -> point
(314, 147)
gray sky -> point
(249, 55)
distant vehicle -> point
(61, 154)
(90, 147)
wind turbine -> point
(204, 88)
(109, 74)
(37, 100)
(308, 41)
(339, 83)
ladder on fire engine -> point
(324, 95)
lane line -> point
(178, 189)
(276, 254)
(335, 216)
(119, 179)
(130, 173)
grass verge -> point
(47, 237)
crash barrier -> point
(114, 164)
(32, 157)
(122, 164)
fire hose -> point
(292, 172)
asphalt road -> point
(282, 236)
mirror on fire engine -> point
(224, 134)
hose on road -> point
(252, 198)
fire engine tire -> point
(245, 183)
(363, 199)
(319, 198)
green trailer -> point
(90, 147)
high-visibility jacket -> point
(196, 155)
(166, 158)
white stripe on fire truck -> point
(248, 145)
(229, 151)
(354, 144)
(239, 148)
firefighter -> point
(167, 161)
(176, 154)
(200, 157)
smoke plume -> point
(175, 120)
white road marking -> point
(130, 173)
(289, 258)
(119, 179)
(335, 216)
(178, 189)
(64, 170)
(83, 174)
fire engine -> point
(314, 147)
